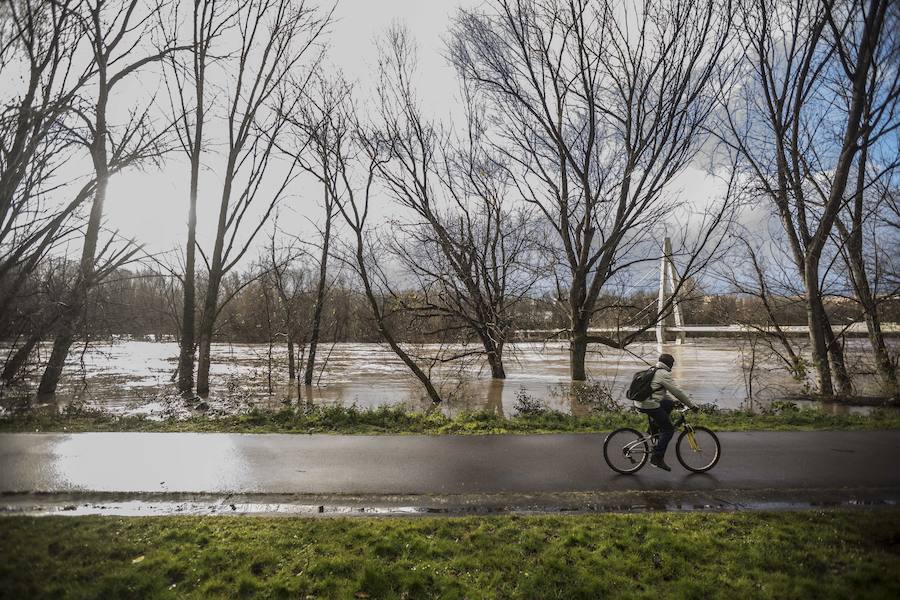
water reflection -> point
(495, 397)
(183, 462)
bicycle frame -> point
(692, 441)
(651, 439)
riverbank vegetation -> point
(820, 554)
(781, 416)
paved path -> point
(332, 464)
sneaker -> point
(660, 463)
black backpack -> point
(641, 386)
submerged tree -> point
(38, 206)
(319, 125)
(472, 252)
(600, 106)
(800, 125)
(859, 228)
(357, 152)
(289, 280)
(276, 37)
(113, 31)
(192, 103)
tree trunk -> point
(883, 363)
(292, 366)
(884, 367)
(53, 371)
(211, 304)
(382, 326)
(417, 371)
(302, 358)
(72, 309)
(494, 353)
(855, 260)
(578, 352)
(189, 329)
(189, 310)
(495, 397)
(207, 325)
(320, 298)
(18, 360)
(815, 317)
(841, 379)
(203, 361)
(578, 340)
(871, 31)
(495, 360)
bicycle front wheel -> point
(698, 449)
(625, 450)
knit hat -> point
(667, 359)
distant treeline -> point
(147, 305)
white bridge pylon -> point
(668, 280)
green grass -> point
(397, 420)
(663, 555)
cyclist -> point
(658, 407)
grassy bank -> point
(395, 420)
(730, 555)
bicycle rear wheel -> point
(625, 450)
(698, 449)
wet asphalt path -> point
(331, 464)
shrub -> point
(526, 404)
(596, 395)
(780, 407)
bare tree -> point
(38, 42)
(276, 36)
(357, 154)
(320, 121)
(471, 267)
(467, 247)
(32, 314)
(601, 105)
(798, 124)
(190, 100)
(114, 30)
(757, 280)
(858, 228)
(288, 279)
(859, 222)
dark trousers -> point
(662, 424)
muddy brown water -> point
(136, 377)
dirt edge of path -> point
(307, 505)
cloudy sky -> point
(151, 206)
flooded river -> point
(137, 377)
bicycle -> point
(627, 450)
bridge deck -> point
(853, 328)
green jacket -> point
(662, 383)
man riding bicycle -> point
(658, 407)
